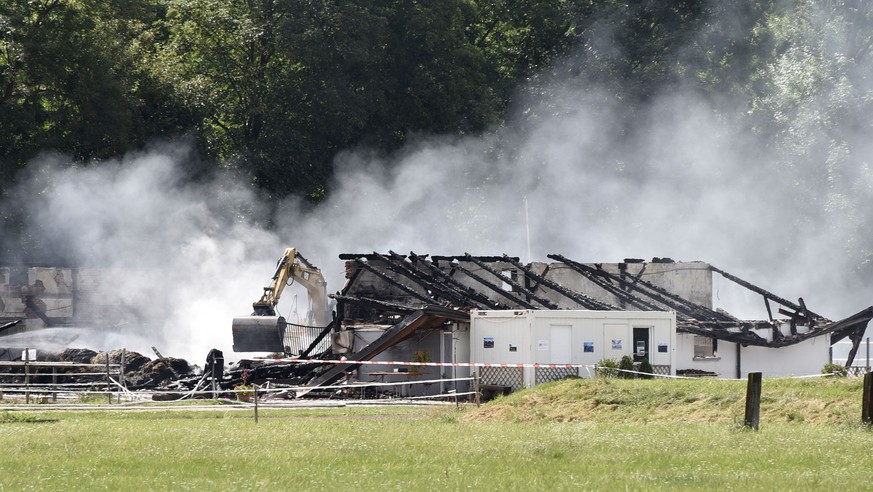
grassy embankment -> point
(601, 434)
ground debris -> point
(157, 373)
(140, 372)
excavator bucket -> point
(258, 333)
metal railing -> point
(297, 338)
(47, 379)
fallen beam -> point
(422, 318)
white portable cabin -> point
(567, 337)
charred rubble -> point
(140, 372)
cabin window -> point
(705, 347)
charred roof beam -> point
(544, 302)
(489, 259)
(375, 304)
(496, 288)
(397, 263)
(657, 294)
(742, 337)
(605, 283)
(578, 297)
(393, 282)
(470, 294)
(798, 308)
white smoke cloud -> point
(177, 260)
(686, 188)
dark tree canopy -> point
(277, 88)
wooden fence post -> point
(753, 400)
(121, 364)
(867, 400)
(108, 379)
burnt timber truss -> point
(411, 283)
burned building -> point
(393, 306)
(396, 307)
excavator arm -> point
(293, 267)
(263, 330)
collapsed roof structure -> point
(397, 296)
(411, 291)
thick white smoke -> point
(689, 190)
(177, 260)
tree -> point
(73, 79)
(522, 38)
(282, 86)
(815, 109)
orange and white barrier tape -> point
(427, 364)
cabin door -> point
(641, 344)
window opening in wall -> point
(509, 274)
(705, 347)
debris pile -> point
(140, 372)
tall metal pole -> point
(527, 227)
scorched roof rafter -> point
(439, 283)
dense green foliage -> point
(277, 88)
(626, 364)
(645, 368)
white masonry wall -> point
(801, 359)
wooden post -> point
(753, 400)
(121, 364)
(256, 402)
(54, 383)
(108, 380)
(867, 400)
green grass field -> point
(578, 434)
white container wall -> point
(571, 337)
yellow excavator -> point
(264, 330)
